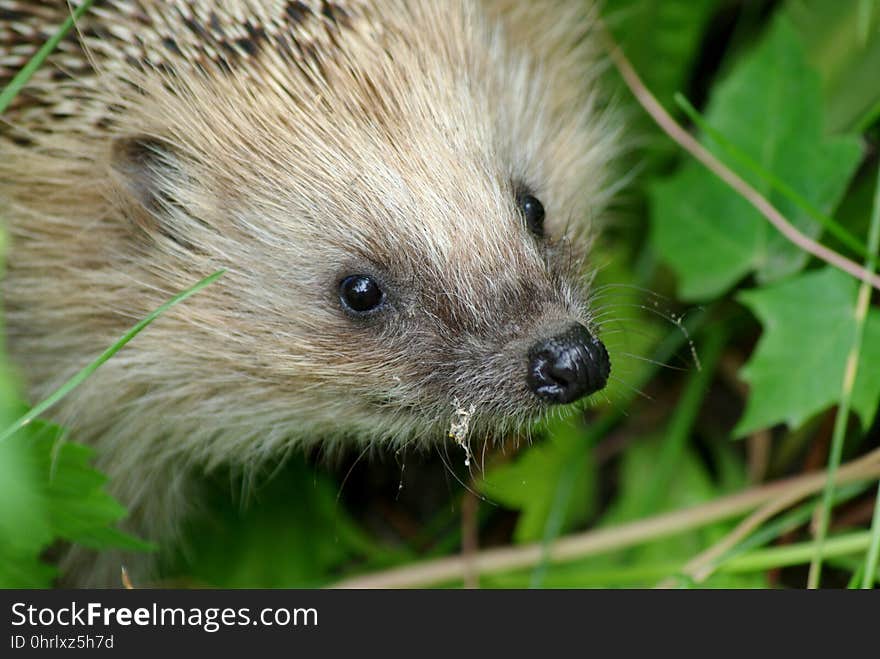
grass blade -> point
(767, 559)
(78, 379)
(866, 9)
(21, 78)
(562, 498)
(777, 184)
(872, 558)
(840, 422)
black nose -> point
(568, 366)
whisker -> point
(633, 389)
(625, 331)
(350, 470)
(633, 287)
(455, 476)
(654, 362)
(603, 309)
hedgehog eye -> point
(533, 212)
(360, 294)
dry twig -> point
(663, 119)
(589, 543)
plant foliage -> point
(719, 329)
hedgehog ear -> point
(147, 167)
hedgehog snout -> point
(568, 366)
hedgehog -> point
(402, 194)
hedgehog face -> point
(413, 243)
(444, 298)
(400, 192)
(500, 326)
(402, 210)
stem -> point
(766, 559)
(21, 78)
(78, 379)
(556, 518)
(682, 422)
(581, 545)
(873, 556)
(564, 488)
(756, 562)
(864, 21)
(771, 179)
(701, 567)
(755, 198)
(849, 378)
(470, 533)
(745, 536)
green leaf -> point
(49, 491)
(693, 485)
(646, 564)
(80, 510)
(83, 374)
(843, 43)
(529, 484)
(770, 107)
(24, 521)
(296, 534)
(660, 38)
(798, 366)
(631, 322)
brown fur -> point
(291, 143)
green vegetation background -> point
(729, 348)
